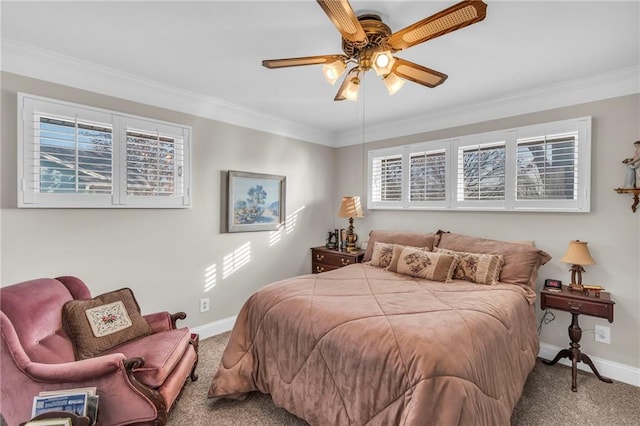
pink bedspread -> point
(361, 345)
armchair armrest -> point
(76, 371)
(163, 321)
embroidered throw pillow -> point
(101, 323)
(397, 249)
(382, 254)
(476, 267)
(425, 264)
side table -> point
(577, 303)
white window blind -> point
(547, 167)
(428, 175)
(73, 155)
(481, 172)
(386, 179)
(153, 164)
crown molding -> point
(29, 61)
(607, 85)
(22, 59)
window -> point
(428, 176)
(481, 172)
(76, 156)
(545, 167)
(386, 180)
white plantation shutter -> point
(72, 157)
(386, 178)
(75, 156)
(481, 172)
(154, 165)
(547, 167)
(428, 175)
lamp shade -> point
(393, 83)
(351, 207)
(382, 62)
(578, 254)
(333, 70)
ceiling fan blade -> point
(453, 18)
(417, 73)
(305, 60)
(345, 20)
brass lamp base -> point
(576, 287)
(352, 237)
(576, 278)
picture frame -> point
(256, 201)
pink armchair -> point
(137, 382)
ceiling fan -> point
(369, 43)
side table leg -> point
(564, 353)
(585, 358)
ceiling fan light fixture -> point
(350, 92)
(382, 62)
(393, 83)
(333, 71)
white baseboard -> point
(613, 370)
(215, 328)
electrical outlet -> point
(204, 304)
(602, 334)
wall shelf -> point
(636, 196)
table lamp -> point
(351, 208)
(577, 254)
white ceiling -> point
(213, 50)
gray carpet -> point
(546, 400)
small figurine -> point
(631, 178)
(332, 241)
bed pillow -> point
(521, 261)
(397, 249)
(101, 323)
(382, 254)
(423, 264)
(476, 267)
(413, 239)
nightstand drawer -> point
(334, 259)
(322, 267)
(581, 306)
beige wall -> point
(611, 229)
(165, 255)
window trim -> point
(31, 106)
(582, 203)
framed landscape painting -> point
(256, 201)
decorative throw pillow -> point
(476, 267)
(101, 323)
(521, 261)
(382, 254)
(424, 264)
(397, 249)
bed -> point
(426, 341)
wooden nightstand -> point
(324, 259)
(577, 303)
